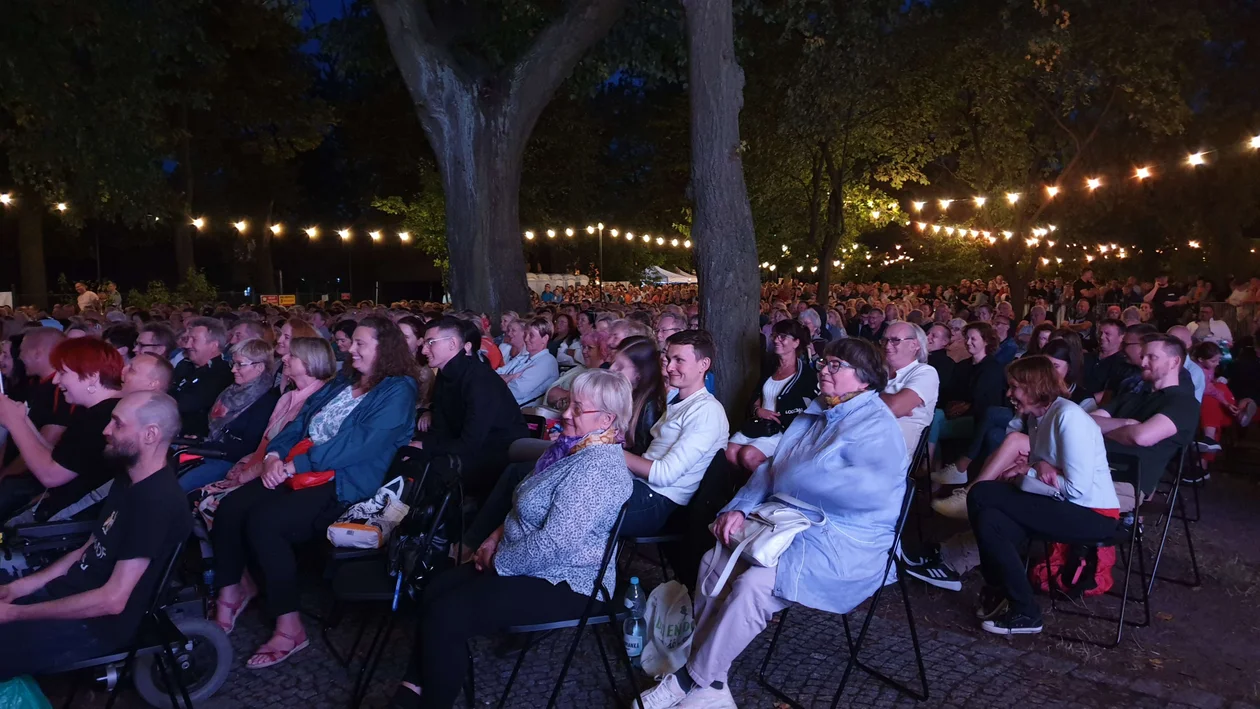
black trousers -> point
(259, 528)
(464, 603)
(1004, 519)
(30, 647)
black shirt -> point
(46, 403)
(195, 390)
(81, 450)
(1166, 315)
(1175, 402)
(144, 520)
(1083, 285)
(474, 412)
(944, 366)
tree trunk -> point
(478, 125)
(726, 249)
(264, 276)
(33, 270)
(184, 232)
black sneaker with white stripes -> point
(1012, 623)
(937, 574)
(929, 553)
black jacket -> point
(195, 390)
(648, 417)
(981, 385)
(243, 433)
(795, 397)
(474, 412)
(944, 366)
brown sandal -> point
(236, 608)
(279, 655)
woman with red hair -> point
(89, 372)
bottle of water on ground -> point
(634, 630)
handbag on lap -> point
(767, 532)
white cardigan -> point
(1067, 438)
(684, 442)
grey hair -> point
(919, 336)
(253, 327)
(214, 330)
(810, 315)
(957, 322)
(255, 350)
(317, 355)
(610, 392)
(159, 409)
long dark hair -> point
(417, 326)
(392, 357)
(1060, 349)
(1033, 346)
(1076, 352)
(649, 386)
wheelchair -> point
(178, 656)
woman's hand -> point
(274, 473)
(767, 414)
(484, 558)
(423, 421)
(957, 408)
(1048, 474)
(728, 523)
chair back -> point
(906, 500)
(536, 424)
(610, 553)
(919, 456)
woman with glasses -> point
(240, 414)
(845, 457)
(541, 564)
(785, 391)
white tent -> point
(656, 274)
(691, 277)
(536, 281)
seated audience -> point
(788, 385)
(333, 454)
(938, 357)
(91, 601)
(343, 337)
(413, 332)
(846, 455)
(1208, 329)
(640, 363)
(159, 340)
(46, 404)
(240, 414)
(513, 344)
(621, 329)
(913, 386)
(816, 339)
(121, 337)
(684, 440)
(475, 417)
(957, 348)
(1197, 379)
(1066, 452)
(565, 343)
(202, 375)
(291, 329)
(528, 377)
(1041, 334)
(979, 384)
(247, 330)
(540, 564)
(146, 372)
(666, 325)
(1111, 356)
(1220, 409)
(1151, 425)
(72, 470)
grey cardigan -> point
(561, 518)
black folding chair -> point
(1174, 507)
(156, 635)
(589, 617)
(856, 647)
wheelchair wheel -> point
(203, 669)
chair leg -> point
(372, 658)
(175, 678)
(516, 668)
(660, 555)
(568, 661)
(761, 673)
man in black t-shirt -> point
(1166, 302)
(1153, 425)
(91, 601)
(202, 376)
(1085, 288)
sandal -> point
(236, 608)
(279, 655)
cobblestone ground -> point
(1201, 650)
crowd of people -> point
(300, 412)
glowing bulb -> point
(836, 262)
(1007, 234)
(646, 238)
(1195, 159)
(813, 269)
(875, 214)
(945, 203)
(898, 247)
(568, 232)
(1045, 261)
(590, 230)
(551, 233)
(992, 240)
(936, 228)
(918, 206)
(1053, 227)
(276, 229)
(1089, 259)
(921, 225)
(199, 223)
(687, 244)
(6, 199)
(1193, 244)
(800, 268)
(344, 234)
(1012, 197)
(529, 235)
(1255, 144)
(404, 236)
(949, 230)
(629, 237)
(1051, 191)
(1142, 173)
(62, 206)
(673, 242)
(614, 233)
(773, 267)
(1093, 183)
(600, 225)
(980, 201)
(660, 241)
(312, 231)
(1058, 260)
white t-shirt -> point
(923, 380)
(770, 392)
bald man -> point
(91, 600)
(146, 372)
(1181, 332)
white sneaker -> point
(664, 695)
(709, 698)
(949, 475)
(954, 506)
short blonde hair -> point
(609, 391)
(540, 325)
(316, 354)
(255, 349)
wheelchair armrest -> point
(207, 453)
(48, 530)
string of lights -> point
(599, 228)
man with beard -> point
(91, 601)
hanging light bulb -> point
(945, 203)
(687, 244)
(376, 235)
(1254, 143)
(646, 238)
(614, 233)
(921, 225)
(345, 234)
(1007, 234)
(980, 201)
(569, 232)
(404, 236)
(62, 206)
(660, 241)
(1142, 173)
(312, 231)
(836, 262)
(276, 229)
(673, 242)
(590, 230)
(875, 214)
(1093, 183)
(1051, 191)
(241, 226)
(936, 228)
(551, 233)
(1196, 159)
(6, 198)
(529, 235)
(918, 206)
(1012, 197)
(629, 237)
(199, 223)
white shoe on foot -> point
(949, 475)
(709, 698)
(664, 695)
(954, 506)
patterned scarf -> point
(233, 402)
(833, 401)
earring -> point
(91, 388)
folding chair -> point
(156, 635)
(856, 647)
(588, 617)
(1173, 507)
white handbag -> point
(368, 524)
(767, 532)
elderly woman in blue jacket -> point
(335, 453)
(845, 456)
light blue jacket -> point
(850, 460)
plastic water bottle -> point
(634, 630)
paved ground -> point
(1201, 650)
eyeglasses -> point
(579, 411)
(664, 330)
(435, 340)
(242, 365)
(832, 365)
(894, 341)
(146, 345)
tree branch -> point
(428, 69)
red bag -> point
(1059, 554)
(301, 481)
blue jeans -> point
(646, 512)
(942, 427)
(210, 471)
